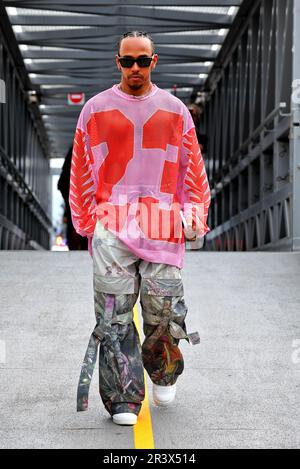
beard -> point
(135, 86)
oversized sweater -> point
(136, 164)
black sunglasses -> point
(128, 62)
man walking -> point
(137, 174)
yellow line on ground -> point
(143, 433)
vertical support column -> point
(295, 141)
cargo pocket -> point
(163, 305)
(164, 313)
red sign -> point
(76, 99)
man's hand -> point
(189, 233)
(189, 230)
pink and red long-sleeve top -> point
(136, 164)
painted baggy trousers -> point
(118, 279)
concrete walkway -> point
(241, 386)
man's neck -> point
(140, 92)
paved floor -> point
(241, 386)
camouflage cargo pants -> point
(118, 278)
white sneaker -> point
(126, 418)
(163, 395)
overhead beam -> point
(130, 15)
(106, 31)
(96, 3)
(96, 10)
(97, 42)
(53, 68)
(206, 54)
(43, 80)
(60, 120)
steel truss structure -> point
(70, 46)
(250, 158)
(24, 160)
(241, 66)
